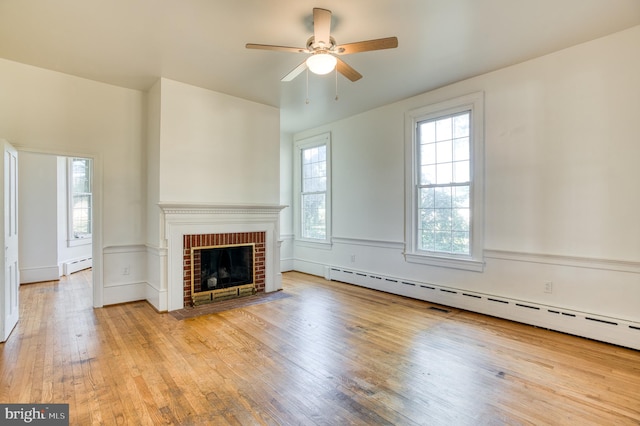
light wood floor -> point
(331, 354)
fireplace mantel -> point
(206, 208)
(180, 219)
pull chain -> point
(307, 100)
(336, 73)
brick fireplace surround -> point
(185, 224)
(209, 240)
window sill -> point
(79, 242)
(465, 264)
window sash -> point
(79, 187)
(312, 186)
(463, 166)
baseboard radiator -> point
(76, 265)
(606, 329)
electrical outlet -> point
(353, 258)
(548, 287)
(125, 270)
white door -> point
(11, 282)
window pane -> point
(444, 151)
(461, 196)
(444, 173)
(427, 240)
(461, 149)
(428, 153)
(427, 198)
(443, 241)
(460, 242)
(460, 219)
(314, 216)
(461, 125)
(80, 197)
(427, 132)
(443, 198)
(427, 175)
(461, 172)
(444, 129)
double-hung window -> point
(313, 189)
(444, 183)
(80, 200)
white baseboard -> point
(124, 293)
(39, 274)
(603, 328)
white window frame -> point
(72, 240)
(474, 261)
(299, 146)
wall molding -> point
(396, 245)
(561, 260)
(129, 248)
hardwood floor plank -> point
(329, 353)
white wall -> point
(217, 148)
(37, 217)
(561, 195)
(46, 111)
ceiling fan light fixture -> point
(321, 63)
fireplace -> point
(187, 226)
(223, 266)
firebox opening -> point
(222, 272)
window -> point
(313, 189)
(444, 183)
(80, 200)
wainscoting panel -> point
(125, 274)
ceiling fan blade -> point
(295, 72)
(365, 46)
(322, 26)
(346, 70)
(277, 48)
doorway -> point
(56, 215)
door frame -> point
(96, 214)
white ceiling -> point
(131, 43)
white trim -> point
(398, 245)
(132, 248)
(39, 274)
(560, 260)
(473, 262)
(299, 145)
(71, 240)
(96, 220)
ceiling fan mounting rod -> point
(312, 46)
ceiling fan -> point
(323, 49)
